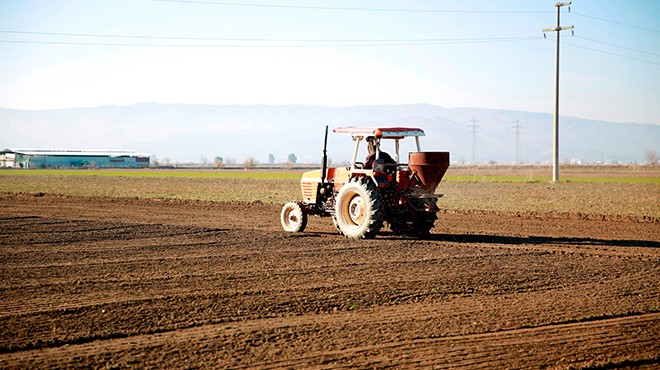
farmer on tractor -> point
(373, 146)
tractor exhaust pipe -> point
(324, 161)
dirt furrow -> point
(611, 341)
(90, 282)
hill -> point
(193, 133)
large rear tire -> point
(293, 218)
(359, 209)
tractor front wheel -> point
(293, 218)
(359, 209)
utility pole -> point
(473, 131)
(555, 146)
(517, 133)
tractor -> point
(364, 196)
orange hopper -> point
(430, 167)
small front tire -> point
(293, 218)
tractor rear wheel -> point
(359, 209)
(293, 218)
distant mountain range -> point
(178, 133)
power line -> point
(178, 38)
(316, 42)
(609, 53)
(617, 46)
(308, 7)
(278, 43)
(376, 42)
(134, 36)
(616, 22)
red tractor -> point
(362, 197)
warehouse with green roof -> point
(40, 158)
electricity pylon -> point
(473, 131)
(517, 133)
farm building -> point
(37, 158)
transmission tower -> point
(473, 131)
(516, 159)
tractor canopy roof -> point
(384, 132)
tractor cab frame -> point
(394, 133)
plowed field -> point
(113, 283)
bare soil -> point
(113, 283)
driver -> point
(373, 145)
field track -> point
(112, 283)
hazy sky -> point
(489, 54)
